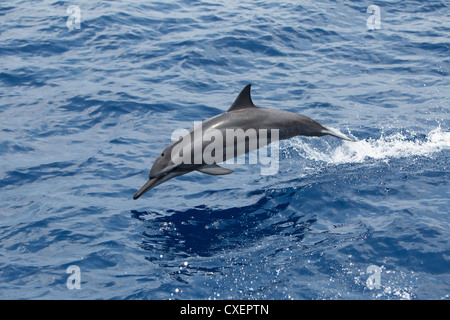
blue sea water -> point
(85, 111)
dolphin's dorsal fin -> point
(243, 100)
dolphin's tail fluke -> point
(337, 135)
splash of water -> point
(397, 145)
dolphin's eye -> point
(162, 154)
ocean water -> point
(86, 108)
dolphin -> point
(242, 115)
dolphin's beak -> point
(149, 185)
(157, 180)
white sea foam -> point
(397, 145)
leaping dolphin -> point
(182, 156)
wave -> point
(396, 145)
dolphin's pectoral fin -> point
(215, 170)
